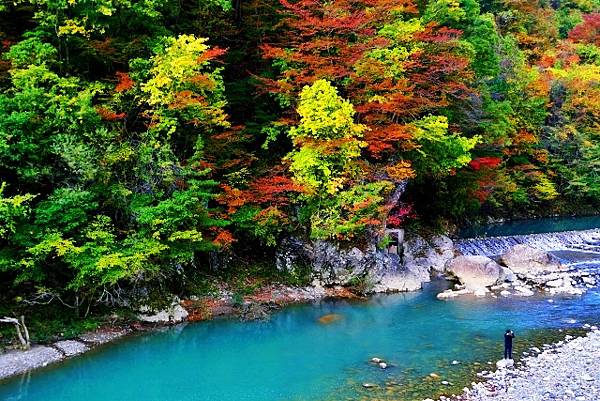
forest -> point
(140, 141)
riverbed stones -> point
(102, 336)
(570, 371)
(71, 347)
(475, 272)
(16, 361)
(523, 291)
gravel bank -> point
(15, 362)
(569, 370)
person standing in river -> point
(508, 342)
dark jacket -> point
(508, 338)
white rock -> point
(523, 291)
(376, 360)
(505, 363)
(383, 365)
(587, 377)
(174, 314)
(505, 293)
(589, 280)
(452, 294)
(559, 282)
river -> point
(295, 357)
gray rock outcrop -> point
(429, 254)
(332, 265)
(526, 260)
(173, 314)
(475, 272)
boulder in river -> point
(526, 260)
(475, 272)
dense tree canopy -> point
(138, 138)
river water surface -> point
(295, 357)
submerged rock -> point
(330, 318)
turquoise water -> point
(532, 226)
(294, 357)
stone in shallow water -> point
(330, 318)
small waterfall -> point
(586, 241)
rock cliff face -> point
(520, 270)
(381, 271)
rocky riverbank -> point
(15, 362)
(568, 370)
(338, 273)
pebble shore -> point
(16, 362)
(568, 370)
